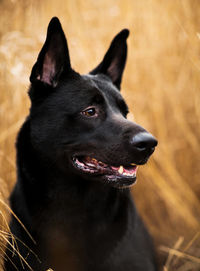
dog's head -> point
(78, 122)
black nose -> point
(144, 142)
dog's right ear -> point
(114, 60)
(53, 59)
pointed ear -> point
(53, 59)
(114, 60)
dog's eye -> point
(90, 112)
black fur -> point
(79, 221)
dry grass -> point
(161, 85)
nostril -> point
(141, 145)
(144, 141)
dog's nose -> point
(144, 142)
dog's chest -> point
(61, 251)
(88, 240)
(75, 236)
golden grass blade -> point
(196, 236)
(1, 201)
(180, 254)
(7, 228)
(16, 238)
(20, 256)
(171, 255)
(13, 250)
(8, 258)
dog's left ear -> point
(53, 59)
(115, 59)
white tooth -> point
(133, 164)
(121, 169)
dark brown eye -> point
(90, 112)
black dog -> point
(77, 154)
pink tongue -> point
(131, 170)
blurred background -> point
(161, 85)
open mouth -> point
(93, 166)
